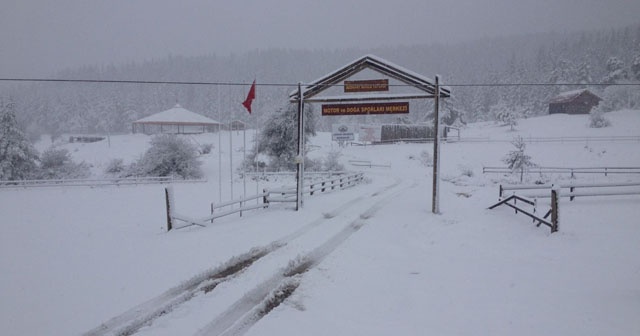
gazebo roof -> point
(177, 116)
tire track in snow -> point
(130, 322)
(258, 302)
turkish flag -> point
(250, 97)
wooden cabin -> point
(574, 102)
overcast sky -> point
(38, 37)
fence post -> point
(212, 212)
(500, 195)
(167, 198)
(555, 197)
(571, 191)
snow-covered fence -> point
(289, 194)
(567, 170)
(586, 140)
(553, 224)
(308, 175)
(591, 189)
(267, 197)
(93, 182)
(366, 163)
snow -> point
(567, 96)
(380, 262)
(178, 114)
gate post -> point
(435, 201)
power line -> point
(109, 81)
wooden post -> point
(212, 212)
(168, 203)
(555, 197)
(571, 191)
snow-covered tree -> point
(506, 115)
(56, 163)
(635, 68)
(279, 136)
(18, 158)
(616, 71)
(583, 73)
(516, 159)
(169, 155)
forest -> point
(488, 78)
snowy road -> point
(241, 290)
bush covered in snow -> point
(597, 118)
(56, 163)
(115, 167)
(205, 148)
(168, 155)
(332, 161)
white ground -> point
(75, 257)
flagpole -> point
(231, 153)
(255, 141)
(244, 161)
(219, 149)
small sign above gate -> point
(365, 108)
(371, 85)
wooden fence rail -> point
(93, 182)
(567, 170)
(268, 196)
(553, 224)
(593, 189)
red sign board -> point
(370, 85)
(365, 108)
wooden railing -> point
(267, 196)
(553, 224)
(93, 182)
(589, 189)
(567, 170)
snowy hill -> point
(379, 262)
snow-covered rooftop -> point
(377, 64)
(568, 96)
(177, 116)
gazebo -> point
(176, 120)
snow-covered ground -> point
(381, 263)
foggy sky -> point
(38, 37)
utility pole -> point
(300, 156)
(435, 204)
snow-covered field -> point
(379, 262)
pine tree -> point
(17, 156)
(516, 159)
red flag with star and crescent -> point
(250, 97)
